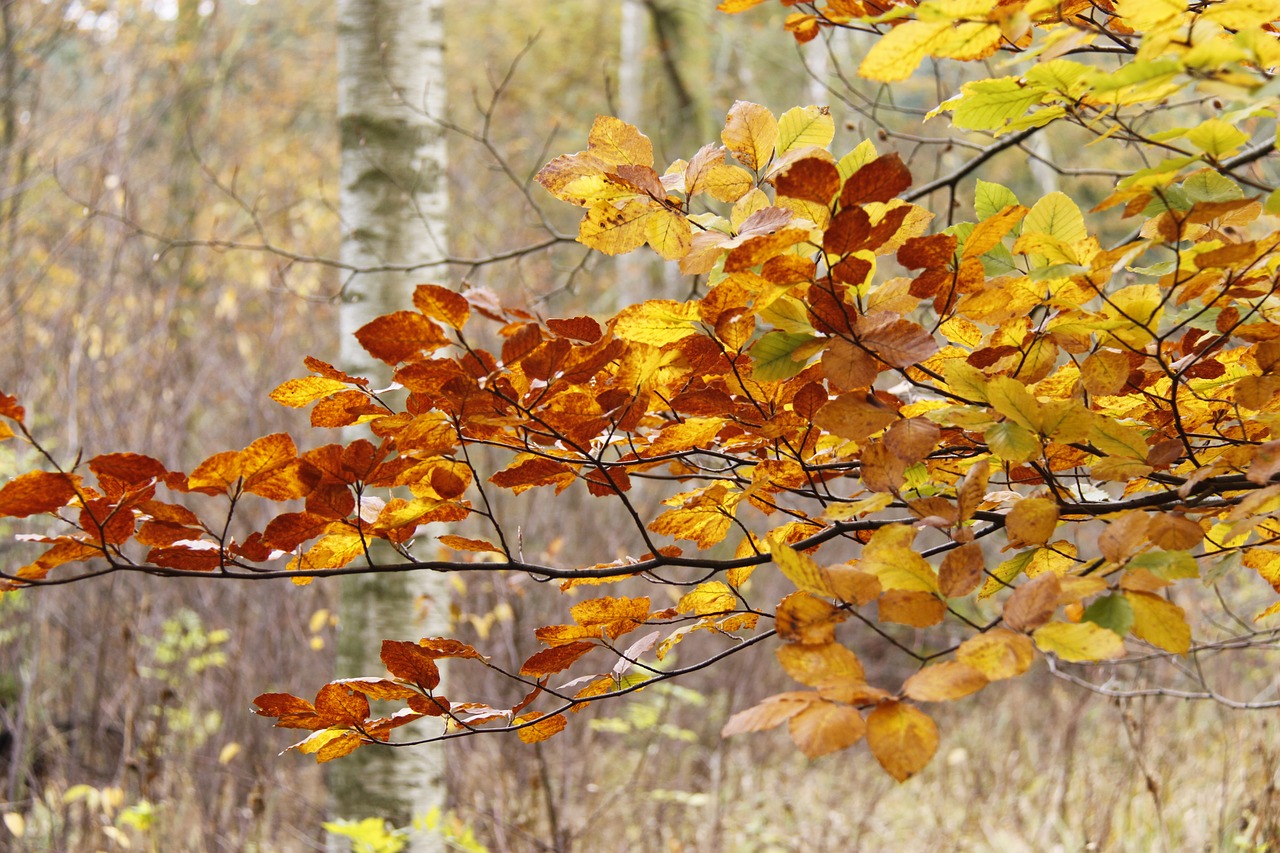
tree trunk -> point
(393, 203)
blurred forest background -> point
(169, 238)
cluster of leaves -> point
(1004, 427)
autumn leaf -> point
(945, 681)
(821, 728)
(902, 738)
(36, 492)
(411, 663)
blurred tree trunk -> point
(390, 88)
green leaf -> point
(990, 198)
(774, 356)
(1112, 612)
(988, 104)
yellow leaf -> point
(709, 598)
(1159, 622)
(945, 681)
(1079, 641)
(618, 143)
(728, 183)
(616, 229)
(825, 727)
(669, 234)
(1031, 521)
(1057, 216)
(802, 127)
(902, 738)
(659, 322)
(751, 133)
(898, 53)
(889, 557)
(800, 569)
(998, 653)
(542, 729)
(1105, 372)
(603, 611)
(297, 393)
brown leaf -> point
(555, 659)
(1033, 603)
(811, 179)
(895, 341)
(854, 416)
(410, 662)
(880, 180)
(961, 570)
(848, 366)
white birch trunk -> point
(391, 86)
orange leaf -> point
(293, 712)
(132, 468)
(942, 682)
(801, 618)
(399, 336)
(916, 608)
(542, 729)
(217, 474)
(1031, 521)
(443, 647)
(825, 727)
(902, 738)
(379, 688)
(443, 304)
(817, 665)
(337, 705)
(36, 492)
